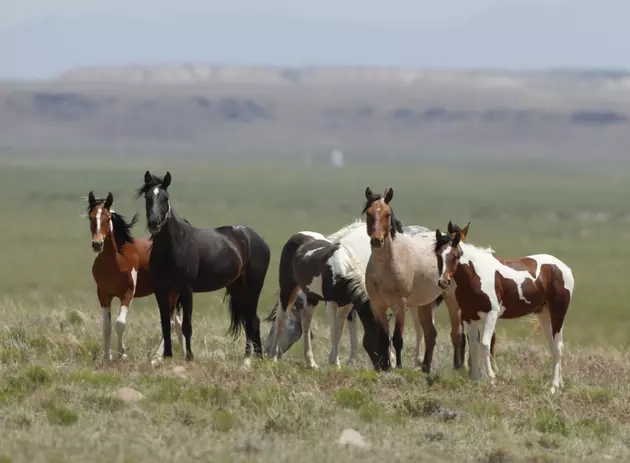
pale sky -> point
(42, 38)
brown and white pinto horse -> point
(121, 268)
(489, 288)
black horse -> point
(186, 260)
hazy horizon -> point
(41, 40)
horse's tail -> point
(256, 256)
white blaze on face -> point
(99, 215)
(445, 255)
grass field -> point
(59, 401)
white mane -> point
(334, 237)
(472, 249)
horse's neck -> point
(109, 245)
(390, 255)
(480, 260)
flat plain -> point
(60, 402)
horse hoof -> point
(156, 362)
(189, 356)
(312, 365)
(122, 356)
(425, 369)
(247, 363)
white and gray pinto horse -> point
(355, 240)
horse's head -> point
(449, 253)
(380, 219)
(157, 203)
(292, 330)
(453, 228)
(100, 216)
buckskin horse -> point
(489, 288)
(120, 269)
(187, 260)
(402, 272)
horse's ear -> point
(389, 194)
(458, 236)
(465, 231)
(368, 193)
(91, 199)
(109, 201)
(167, 180)
(147, 177)
(438, 235)
(450, 227)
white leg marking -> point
(354, 339)
(555, 346)
(158, 354)
(121, 320)
(342, 315)
(107, 333)
(307, 317)
(489, 324)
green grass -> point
(58, 400)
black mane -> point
(122, 229)
(397, 224)
(444, 239)
(155, 181)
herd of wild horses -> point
(360, 271)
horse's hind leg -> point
(177, 322)
(307, 318)
(419, 334)
(106, 305)
(186, 298)
(337, 316)
(546, 320)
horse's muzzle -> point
(444, 284)
(97, 246)
(377, 242)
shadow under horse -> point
(186, 260)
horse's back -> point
(565, 271)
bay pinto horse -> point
(452, 229)
(120, 269)
(402, 272)
(187, 260)
(353, 237)
(489, 288)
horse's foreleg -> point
(354, 338)
(472, 330)
(106, 304)
(125, 303)
(166, 349)
(457, 330)
(489, 325)
(427, 320)
(399, 329)
(419, 334)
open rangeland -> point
(60, 402)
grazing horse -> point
(120, 269)
(323, 271)
(489, 288)
(354, 239)
(402, 272)
(186, 260)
